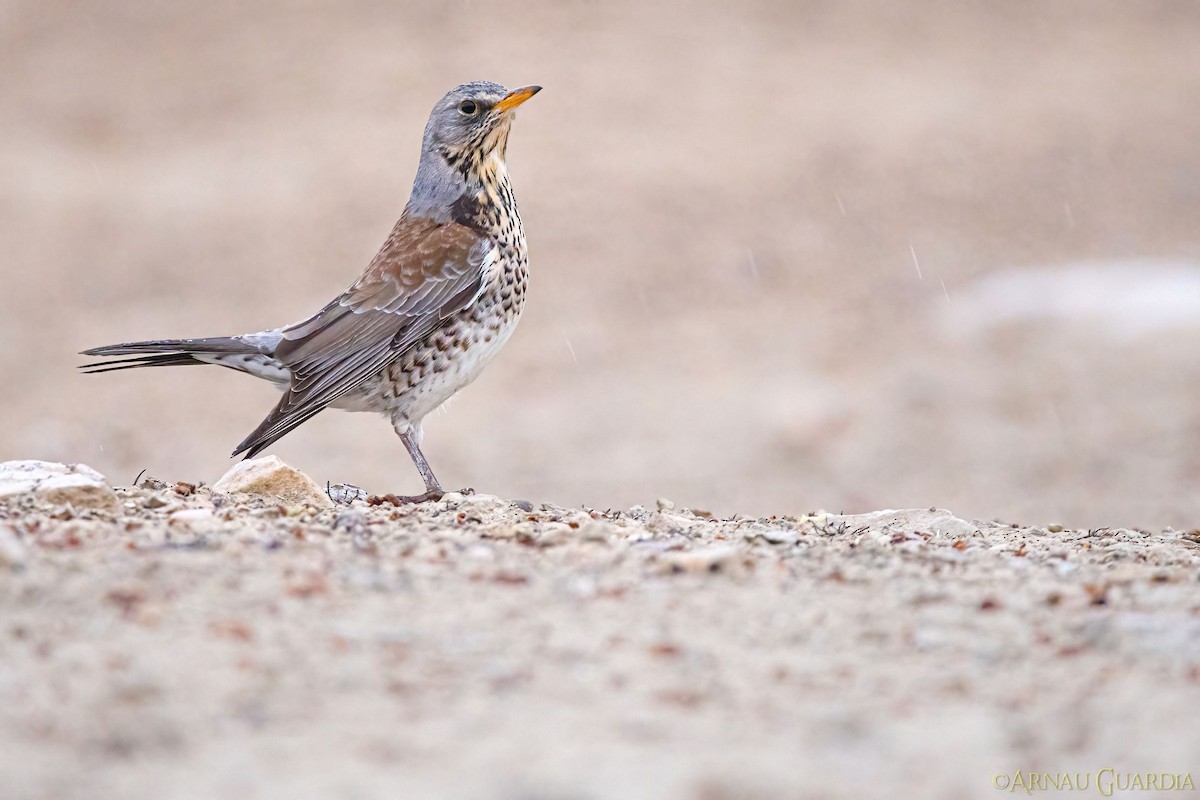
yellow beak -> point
(516, 97)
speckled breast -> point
(454, 355)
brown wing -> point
(424, 273)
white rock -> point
(483, 506)
(770, 534)
(889, 521)
(77, 485)
(271, 479)
(15, 487)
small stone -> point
(701, 559)
(1055, 528)
(477, 506)
(595, 530)
(270, 479)
(76, 485)
(345, 494)
(351, 519)
(554, 534)
(78, 491)
(193, 518)
(890, 522)
(771, 535)
(665, 505)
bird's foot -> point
(405, 500)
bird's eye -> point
(468, 108)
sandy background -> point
(757, 233)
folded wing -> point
(424, 273)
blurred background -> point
(786, 255)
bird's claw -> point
(412, 499)
(405, 500)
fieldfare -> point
(433, 307)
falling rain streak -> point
(752, 265)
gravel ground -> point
(192, 646)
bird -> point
(434, 306)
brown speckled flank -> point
(434, 306)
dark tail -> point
(165, 353)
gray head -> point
(465, 138)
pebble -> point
(937, 521)
(595, 530)
(479, 506)
(345, 493)
(271, 479)
(701, 559)
(770, 535)
(193, 518)
(351, 519)
(76, 485)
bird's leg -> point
(433, 489)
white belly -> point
(408, 408)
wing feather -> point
(424, 273)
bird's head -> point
(472, 122)
(464, 147)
